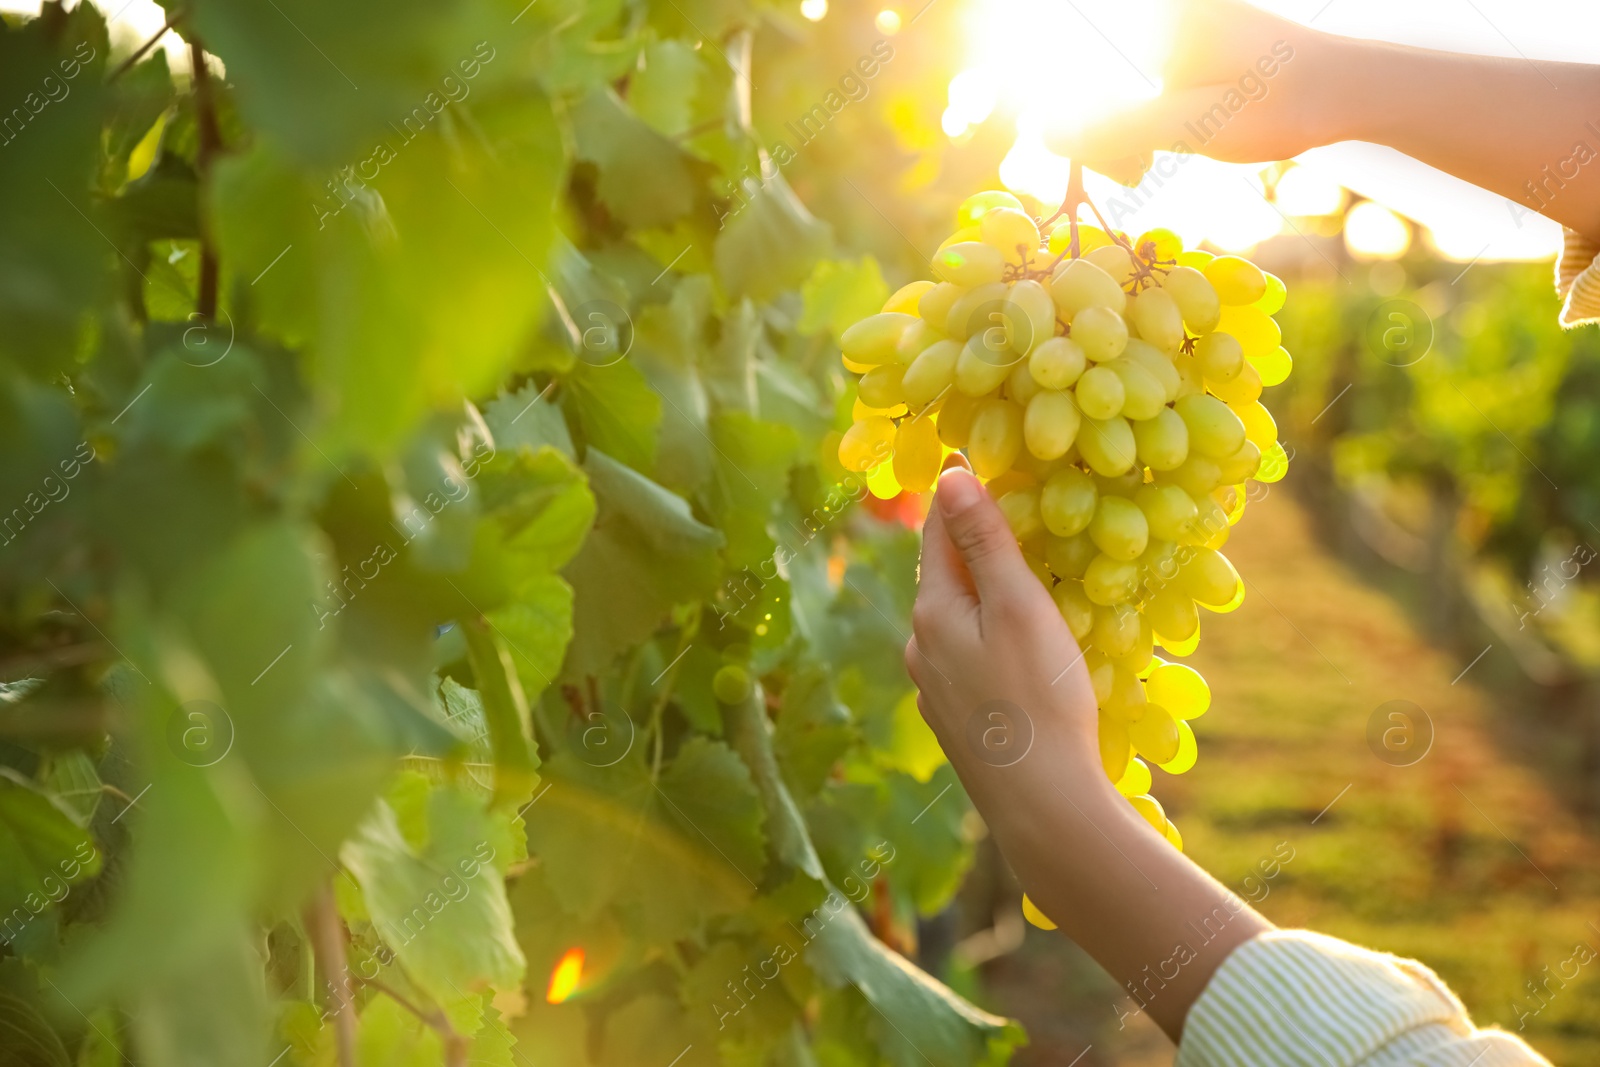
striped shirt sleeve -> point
(1578, 280)
(1292, 998)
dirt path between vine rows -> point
(1464, 858)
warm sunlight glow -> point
(813, 9)
(1372, 231)
(1303, 191)
(569, 969)
(888, 22)
(973, 93)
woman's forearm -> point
(1155, 921)
(1528, 131)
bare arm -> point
(988, 643)
(1528, 131)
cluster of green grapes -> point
(1108, 392)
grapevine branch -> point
(456, 1045)
(327, 942)
(210, 145)
(139, 53)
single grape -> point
(1162, 443)
(1031, 912)
(1127, 700)
(976, 206)
(1100, 392)
(1107, 445)
(1157, 364)
(955, 419)
(1274, 367)
(1155, 735)
(1020, 386)
(980, 371)
(906, 298)
(1030, 315)
(935, 304)
(1143, 651)
(1169, 512)
(1011, 231)
(1274, 464)
(1057, 362)
(1159, 245)
(917, 454)
(1180, 689)
(1174, 838)
(1079, 284)
(1119, 528)
(1068, 557)
(1115, 261)
(969, 263)
(963, 234)
(1021, 509)
(1271, 301)
(875, 338)
(1188, 753)
(1075, 607)
(931, 373)
(1068, 502)
(1136, 780)
(1143, 397)
(1244, 389)
(1210, 520)
(1150, 810)
(1208, 577)
(1154, 313)
(1195, 258)
(1242, 464)
(1258, 334)
(1050, 426)
(1219, 357)
(880, 386)
(979, 311)
(996, 438)
(1214, 429)
(1197, 475)
(867, 443)
(1089, 238)
(1196, 298)
(1237, 281)
(1115, 748)
(1172, 615)
(1259, 427)
(1100, 332)
(1102, 676)
(1108, 581)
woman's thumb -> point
(980, 533)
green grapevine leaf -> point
(839, 293)
(645, 180)
(769, 241)
(42, 847)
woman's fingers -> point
(974, 525)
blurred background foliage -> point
(436, 629)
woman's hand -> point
(1239, 85)
(1001, 680)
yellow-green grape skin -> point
(1195, 258)
(1244, 389)
(1108, 581)
(974, 312)
(1020, 386)
(1180, 689)
(1125, 484)
(1009, 230)
(917, 338)
(917, 454)
(1197, 475)
(1155, 734)
(1237, 281)
(1242, 464)
(996, 438)
(1107, 445)
(876, 338)
(963, 234)
(1068, 502)
(1196, 298)
(1136, 780)
(1050, 425)
(1089, 238)
(1143, 651)
(935, 304)
(1119, 528)
(1174, 838)
(931, 373)
(1075, 608)
(1219, 357)
(1168, 510)
(1115, 748)
(1115, 630)
(1100, 332)
(974, 207)
(880, 386)
(979, 371)
(1172, 614)
(1271, 301)
(1079, 284)
(1157, 364)
(1021, 509)
(1150, 810)
(1102, 678)
(1036, 564)
(1166, 244)
(969, 263)
(1030, 311)
(1274, 464)
(1156, 316)
(1069, 557)
(731, 683)
(1209, 521)
(1259, 427)
(908, 297)
(1208, 577)
(1115, 261)
(1142, 396)
(1274, 367)
(1057, 363)
(1162, 443)
(1190, 380)
(955, 419)
(1214, 429)
(1159, 563)
(1188, 752)
(867, 443)
(1258, 334)
(1100, 392)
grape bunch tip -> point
(1108, 392)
